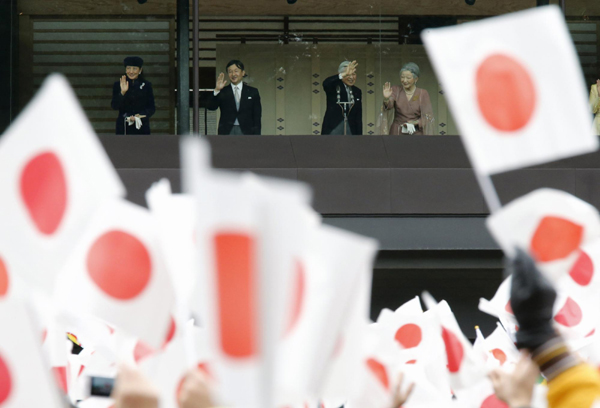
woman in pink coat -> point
(413, 111)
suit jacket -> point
(334, 114)
(249, 115)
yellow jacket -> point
(577, 387)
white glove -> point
(138, 124)
(410, 128)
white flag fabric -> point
(349, 362)
(549, 224)
(25, 381)
(479, 395)
(167, 371)
(175, 216)
(117, 274)
(495, 74)
(54, 174)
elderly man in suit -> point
(240, 106)
(344, 102)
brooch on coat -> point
(142, 85)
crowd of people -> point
(241, 110)
(571, 382)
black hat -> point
(133, 62)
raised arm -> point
(388, 96)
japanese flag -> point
(25, 381)
(465, 366)
(549, 224)
(500, 76)
(283, 239)
(575, 309)
(53, 175)
(412, 332)
(337, 264)
(117, 274)
(228, 287)
(499, 349)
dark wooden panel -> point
(290, 174)
(349, 191)
(426, 152)
(580, 8)
(587, 182)
(394, 233)
(252, 152)
(339, 151)
(138, 181)
(435, 191)
(516, 183)
(273, 8)
(143, 151)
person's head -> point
(235, 70)
(409, 75)
(349, 79)
(133, 67)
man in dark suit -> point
(241, 111)
(344, 102)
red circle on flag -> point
(493, 402)
(570, 314)
(379, 371)
(583, 270)
(409, 335)
(5, 381)
(499, 355)
(454, 350)
(505, 93)
(3, 278)
(119, 264)
(171, 332)
(555, 238)
(44, 191)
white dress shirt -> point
(239, 87)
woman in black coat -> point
(134, 99)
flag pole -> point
(489, 192)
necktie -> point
(237, 98)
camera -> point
(470, 2)
(93, 386)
